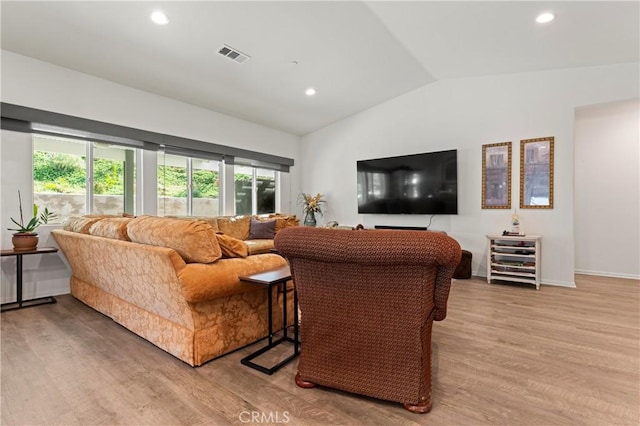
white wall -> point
(36, 84)
(43, 275)
(607, 194)
(465, 114)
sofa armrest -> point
(259, 246)
(201, 282)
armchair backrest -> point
(367, 300)
(312, 249)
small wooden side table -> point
(269, 279)
(19, 303)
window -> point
(65, 159)
(188, 186)
(243, 182)
(62, 167)
(205, 188)
(172, 185)
(59, 175)
(255, 190)
(113, 179)
(266, 190)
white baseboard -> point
(43, 275)
(30, 293)
(607, 274)
(570, 284)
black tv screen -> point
(410, 184)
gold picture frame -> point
(496, 176)
(536, 173)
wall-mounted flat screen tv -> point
(409, 184)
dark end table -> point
(19, 303)
(269, 279)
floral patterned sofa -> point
(257, 232)
(174, 281)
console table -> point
(19, 303)
(269, 279)
(514, 258)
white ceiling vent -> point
(233, 54)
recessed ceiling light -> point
(543, 18)
(310, 91)
(159, 18)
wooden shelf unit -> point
(514, 258)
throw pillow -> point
(194, 240)
(236, 226)
(80, 224)
(111, 227)
(232, 247)
(211, 220)
(283, 221)
(262, 229)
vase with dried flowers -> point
(25, 237)
(311, 204)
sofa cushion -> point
(262, 229)
(235, 226)
(80, 224)
(211, 220)
(284, 221)
(232, 247)
(259, 246)
(111, 227)
(194, 240)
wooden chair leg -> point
(420, 408)
(302, 383)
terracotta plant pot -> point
(24, 241)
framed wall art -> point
(536, 173)
(496, 176)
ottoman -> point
(463, 271)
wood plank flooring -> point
(505, 355)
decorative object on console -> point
(536, 173)
(25, 237)
(496, 176)
(515, 223)
(311, 204)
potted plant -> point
(25, 237)
(311, 204)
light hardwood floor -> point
(506, 354)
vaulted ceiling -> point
(355, 54)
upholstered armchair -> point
(368, 299)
